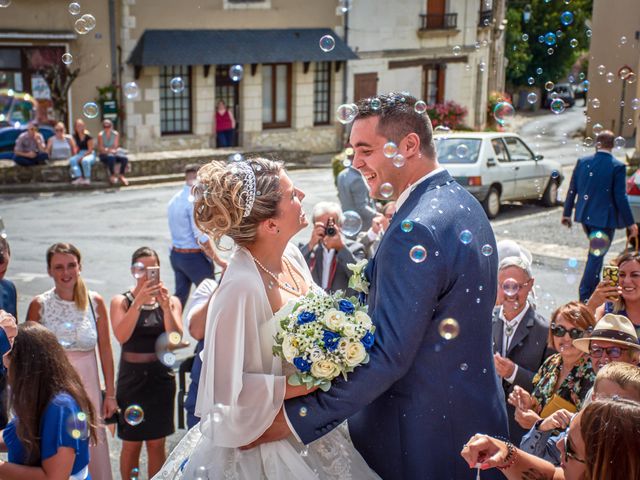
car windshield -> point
(457, 150)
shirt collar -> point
(407, 191)
(517, 319)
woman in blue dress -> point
(54, 418)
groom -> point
(430, 383)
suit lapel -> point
(523, 329)
(497, 331)
(316, 271)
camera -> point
(330, 229)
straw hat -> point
(611, 328)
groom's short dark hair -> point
(398, 118)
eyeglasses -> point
(560, 331)
(612, 352)
(569, 452)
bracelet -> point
(512, 456)
(112, 397)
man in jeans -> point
(30, 148)
(598, 182)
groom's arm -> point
(407, 294)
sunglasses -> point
(559, 331)
(612, 352)
(569, 452)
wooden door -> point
(435, 13)
(365, 85)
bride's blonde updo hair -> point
(222, 195)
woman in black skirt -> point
(147, 322)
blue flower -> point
(330, 340)
(346, 306)
(301, 364)
(306, 317)
(367, 340)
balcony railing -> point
(438, 21)
(486, 16)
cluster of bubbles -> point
(85, 24)
(134, 415)
(327, 43)
(599, 243)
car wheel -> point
(491, 203)
(550, 196)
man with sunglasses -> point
(30, 148)
(519, 333)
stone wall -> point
(315, 139)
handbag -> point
(555, 403)
(116, 415)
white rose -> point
(363, 319)
(349, 329)
(354, 354)
(288, 350)
(334, 319)
(325, 369)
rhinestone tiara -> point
(248, 185)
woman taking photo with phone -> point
(78, 318)
(147, 322)
(55, 421)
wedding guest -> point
(143, 317)
(85, 157)
(30, 148)
(8, 293)
(354, 195)
(564, 378)
(8, 331)
(591, 450)
(380, 223)
(519, 334)
(61, 146)
(78, 318)
(54, 419)
(225, 123)
(110, 153)
(328, 252)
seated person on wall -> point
(110, 153)
(61, 146)
(372, 237)
(328, 253)
(519, 334)
(85, 156)
(30, 148)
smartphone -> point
(610, 273)
(153, 274)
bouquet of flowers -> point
(324, 336)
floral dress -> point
(574, 388)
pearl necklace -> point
(286, 286)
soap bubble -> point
(531, 80)
(420, 107)
(219, 412)
(236, 72)
(386, 190)
(623, 40)
(390, 149)
(573, 43)
(557, 106)
(610, 77)
(90, 110)
(598, 243)
(597, 128)
(549, 86)
(585, 85)
(566, 18)
(176, 84)
(619, 142)
(351, 223)
(303, 411)
(457, 50)
(525, 37)
(406, 225)
(89, 21)
(635, 104)
(462, 150)
(74, 8)
(532, 97)
(375, 104)
(487, 250)
(466, 236)
(134, 415)
(550, 38)
(503, 112)
(624, 72)
(449, 328)
(77, 426)
(441, 129)
(463, 366)
(131, 90)
(510, 287)
(539, 70)
(601, 69)
(138, 270)
(588, 33)
(346, 113)
(587, 142)
(482, 66)
(399, 161)
(418, 254)
(550, 51)
(135, 472)
(67, 58)
(80, 26)
(327, 43)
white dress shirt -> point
(327, 259)
(506, 339)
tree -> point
(527, 55)
(59, 78)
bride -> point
(242, 385)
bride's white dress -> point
(242, 387)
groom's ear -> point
(410, 145)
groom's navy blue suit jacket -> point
(421, 397)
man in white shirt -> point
(519, 333)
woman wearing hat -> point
(565, 378)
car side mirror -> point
(537, 158)
(491, 162)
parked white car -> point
(497, 167)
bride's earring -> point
(277, 230)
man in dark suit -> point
(328, 253)
(430, 383)
(598, 182)
(519, 334)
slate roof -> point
(228, 47)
